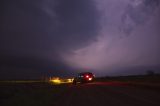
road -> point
(107, 94)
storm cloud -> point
(45, 28)
(104, 36)
(46, 24)
(128, 42)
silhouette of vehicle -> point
(84, 77)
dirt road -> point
(107, 94)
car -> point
(84, 77)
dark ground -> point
(93, 94)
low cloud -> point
(129, 38)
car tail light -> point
(87, 76)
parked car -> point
(84, 77)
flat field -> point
(102, 92)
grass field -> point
(23, 93)
(43, 93)
(133, 78)
(145, 81)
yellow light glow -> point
(57, 80)
(69, 80)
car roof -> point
(85, 73)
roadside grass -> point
(132, 78)
(142, 81)
(30, 94)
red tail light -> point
(87, 76)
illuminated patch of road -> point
(61, 81)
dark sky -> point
(63, 37)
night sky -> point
(63, 37)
